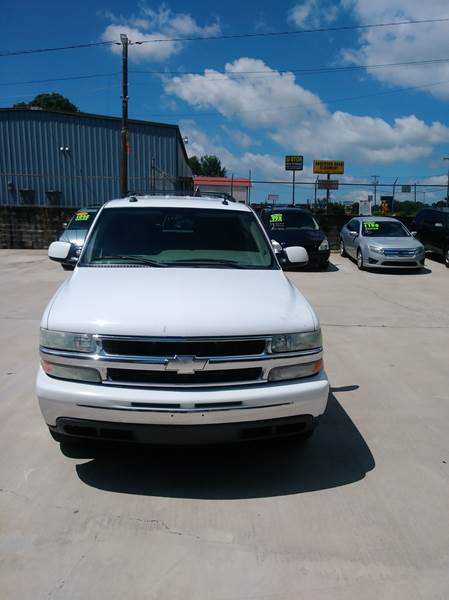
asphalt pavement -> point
(361, 511)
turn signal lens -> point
(295, 371)
(71, 373)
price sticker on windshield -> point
(82, 216)
(370, 225)
(276, 218)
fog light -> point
(295, 371)
(71, 373)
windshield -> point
(81, 220)
(384, 229)
(181, 237)
(291, 221)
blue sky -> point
(244, 103)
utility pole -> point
(392, 199)
(375, 182)
(447, 189)
(328, 192)
(316, 183)
(124, 133)
(293, 188)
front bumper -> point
(60, 400)
(376, 260)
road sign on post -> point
(328, 184)
(294, 163)
(329, 167)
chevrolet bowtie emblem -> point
(185, 365)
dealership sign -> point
(336, 167)
(294, 163)
(328, 184)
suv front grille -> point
(183, 348)
(165, 378)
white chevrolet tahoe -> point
(179, 326)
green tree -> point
(49, 101)
(195, 165)
(208, 165)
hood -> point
(74, 236)
(297, 237)
(178, 302)
(393, 242)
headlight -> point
(71, 373)
(295, 371)
(62, 340)
(324, 245)
(290, 342)
(377, 249)
(276, 247)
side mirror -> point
(297, 255)
(414, 233)
(276, 247)
(353, 233)
(64, 225)
(60, 251)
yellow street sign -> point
(335, 167)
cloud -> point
(150, 24)
(312, 13)
(240, 137)
(402, 43)
(299, 121)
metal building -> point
(52, 158)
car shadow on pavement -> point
(331, 268)
(336, 455)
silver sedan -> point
(381, 242)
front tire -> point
(342, 249)
(360, 264)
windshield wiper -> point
(198, 262)
(135, 259)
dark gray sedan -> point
(381, 242)
(75, 232)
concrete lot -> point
(359, 512)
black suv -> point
(432, 228)
(296, 227)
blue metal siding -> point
(88, 172)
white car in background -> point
(178, 325)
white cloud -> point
(312, 13)
(241, 138)
(149, 24)
(402, 43)
(299, 121)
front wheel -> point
(342, 249)
(360, 264)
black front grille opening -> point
(154, 405)
(181, 348)
(372, 261)
(400, 263)
(218, 404)
(169, 378)
(80, 430)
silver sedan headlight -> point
(377, 249)
(63, 340)
(291, 342)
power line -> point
(237, 75)
(292, 32)
(57, 48)
(59, 79)
(227, 36)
